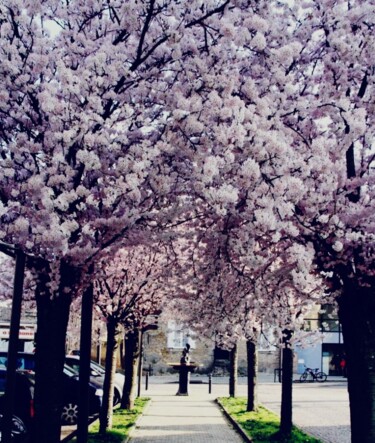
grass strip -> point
(261, 426)
(123, 422)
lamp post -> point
(153, 325)
(98, 346)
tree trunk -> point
(84, 366)
(286, 387)
(233, 371)
(357, 316)
(106, 413)
(252, 369)
(132, 341)
(140, 365)
(52, 321)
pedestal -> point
(183, 381)
(184, 370)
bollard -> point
(147, 374)
(209, 383)
(277, 375)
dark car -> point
(97, 373)
(70, 390)
(69, 413)
(23, 413)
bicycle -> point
(313, 374)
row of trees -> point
(242, 128)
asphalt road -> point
(322, 410)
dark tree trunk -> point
(132, 348)
(52, 321)
(357, 316)
(140, 365)
(84, 366)
(106, 413)
(252, 369)
(286, 387)
(233, 371)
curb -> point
(133, 428)
(235, 425)
(73, 434)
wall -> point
(158, 356)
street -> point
(320, 409)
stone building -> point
(163, 347)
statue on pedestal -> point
(185, 357)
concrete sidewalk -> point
(174, 419)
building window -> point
(178, 336)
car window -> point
(97, 367)
(20, 363)
(2, 381)
(29, 363)
(69, 371)
(74, 366)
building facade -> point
(327, 354)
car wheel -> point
(116, 397)
(19, 430)
(69, 414)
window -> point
(178, 336)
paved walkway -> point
(173, 419)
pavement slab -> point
(174, 419)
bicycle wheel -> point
(303, 377)
(321, 377)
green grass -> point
(123, 421)
(261, 426)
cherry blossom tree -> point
(306, 171)
(240, 285)
(102, 118)
(213, 303)
(290, 292)
(328, 112)
(125, 116)
(129, 289)
(6, 277)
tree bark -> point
(52, 321)
(252, 369)
(132, 348)
(357, 316)
(84, 366)
(286, 387)
(106, 413)
(233, 371)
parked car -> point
(70, 390)
(23, 413)
(98, 373)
